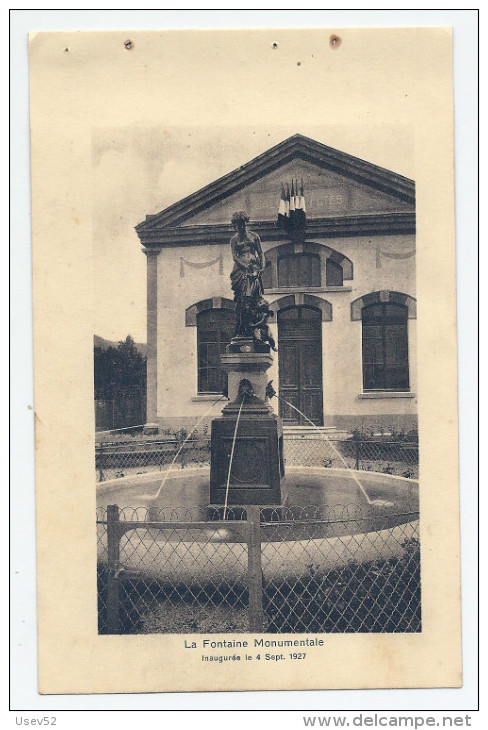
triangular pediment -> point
(335, 184)
(326, 193)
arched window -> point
(299, 269)
(215, 328)
(305, 266)
(385, 347)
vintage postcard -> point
(245, 360)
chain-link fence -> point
(389, 457)
(127, 457)
(261, 569)
(119, 459)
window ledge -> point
(386, 394)
(206, 397)
(307, 289)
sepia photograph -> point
(257, 443)
(244, 305)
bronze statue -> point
(261, 330)
(245, 278)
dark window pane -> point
(213, 354)
(394, 314)
(299, 270)
(206, 318)
(315, 275)
(309, 314)
(308, 320)
(202, 356)
(373, 375)
(396, 378)
(302, 265)
(396, 343)
(215, 328)
(333, 273)
(208, 336)
(203, 381)
(372, 345)
(373, 313)
(283, 271)
(385, 347)
(214, 380)
(266, 276)
(290, 315)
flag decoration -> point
(300, 213)
(291, 211)
(284, 208)
(292, 206)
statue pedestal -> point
(257, 463)
(257, 460)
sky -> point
(140, 170)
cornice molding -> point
(378, 224)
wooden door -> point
(300, 365)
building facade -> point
(343, 296)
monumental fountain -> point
(338, 507)
(247, 441)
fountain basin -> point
(303, 486)
(326, 518)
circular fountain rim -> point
(340, 551)
(111, 484)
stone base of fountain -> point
(257, 462)
(247, 463)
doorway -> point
(300, 365)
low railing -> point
(115, 459)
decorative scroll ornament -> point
(389, 255)
(202, 265)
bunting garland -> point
(203, 265)
(389, 255)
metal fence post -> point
(254, 570)
(113, 584)
(358, 446)
(100, 461)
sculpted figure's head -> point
(239, 220)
